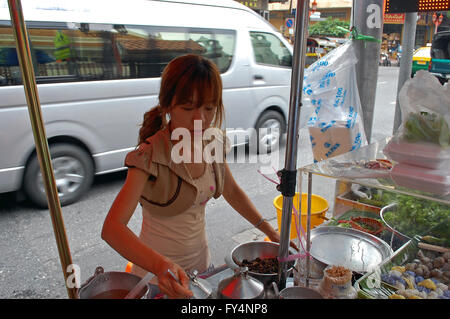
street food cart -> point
(371, 281)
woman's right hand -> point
(169, 286)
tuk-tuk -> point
(312, 52)
(317, 48)
(439, 65)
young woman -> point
(173, 194)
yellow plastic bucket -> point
(319, 207)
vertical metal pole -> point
(34, 110)
(368, 20)
(308, 234)
(408, 41)
(301, 29)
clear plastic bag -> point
(424, 99)
(423, 138)
(332, 100)
(421, 145)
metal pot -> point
(253, 250)
(110, 285)
(296, 292)
(241, 286)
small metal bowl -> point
(296, 292)
(258, 249)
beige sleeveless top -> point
(182, 237)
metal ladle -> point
(205, 290)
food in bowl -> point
(261, 266)
(338, 272)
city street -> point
(30, 266)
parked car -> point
(98, 66)
(440, 56)
(421, 59)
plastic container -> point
(422, 179)
(319, 207)
(425, 155)
(338, 286)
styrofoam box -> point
(426, 155)
(423, 179)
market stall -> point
(396, 191)
(388, 229)
(372, 260)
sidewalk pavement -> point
(253, 234)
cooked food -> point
(424, 278)
(261, 266)
(337, 271)
(378, 164)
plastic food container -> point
(423, 179)
(337, 283)
(419, 154)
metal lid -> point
(241, 286)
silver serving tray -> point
(354, 249)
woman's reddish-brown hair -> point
(181, 79)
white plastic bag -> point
(424, 98)
(331, 95)
(423, 138)
(421, 145)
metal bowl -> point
(296, 292)
(107, 284)
(389, 208)
(354, 249)
(299, 293)
(253, 250)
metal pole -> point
(368, 20)
(408, 41)
(34, 110)
(308, 234)
(298, 70)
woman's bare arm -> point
(117, 234)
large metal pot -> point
(253, 250)
(110, 285)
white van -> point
(97, 66)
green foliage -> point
(329, 28)
(427, 127)
(415, 216)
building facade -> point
(337, 9)
(259, 6)
(342, 9)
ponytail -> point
(153, 122)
